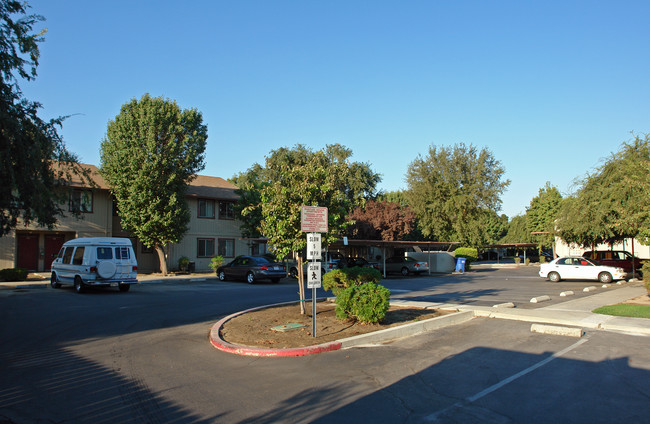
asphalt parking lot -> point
(144, 356)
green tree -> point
(542, 213)
(151, 152)
(451, 191)
(612, 204)
(496, 227)
(300, 176)
(249, 204)
(517, 231)
(398, 197)
(35, 166)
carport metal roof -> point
(395, 243)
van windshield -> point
(104, 253)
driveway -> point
(144, 356)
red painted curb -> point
(219, 343)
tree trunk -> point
(301, 285)
(161, 258)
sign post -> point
(313, 273)
(313, 220)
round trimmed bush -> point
(367, 303)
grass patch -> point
(624, 310)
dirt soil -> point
(255, 329)
(641, 300)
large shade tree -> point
(300, 176)
(35, 166)
(541, 215)
(452, 191)
(151, 152)
(612, 204)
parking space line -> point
(497, 386)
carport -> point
(522, 246)
(426, 246)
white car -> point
(579, 268)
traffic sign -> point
(313, 275)
(313, 246)
(313, 219)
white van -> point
(95, 261)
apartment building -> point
(214, 229)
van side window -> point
(104, 253)
(67, 255)
(78, 258)
(122, 253)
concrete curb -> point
(557, 331)
(376, 337)
(539, 299)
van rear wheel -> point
(79, 285)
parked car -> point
(251, 269)
(97, 262)
(293, 269)
(579, 268)
(616, 258)
(405, 265)
(357, 261)
(333, 261)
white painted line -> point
(538, 299)
(567, 293)
(497, 386)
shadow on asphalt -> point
(70, 388)
(554, 393)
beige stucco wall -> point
(102, 223)
(98, 223)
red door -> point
(53, 244)
(27, 251)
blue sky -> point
(551, 88)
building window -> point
(258, 249)
(205, 248)
(206, 208)
(81, 201)
(227, 248)
(226, 210)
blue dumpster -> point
(460, 264)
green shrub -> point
(340, 279)
(469, 253)
(358, 294)
(13, 274)
(216, 262)
(183, 263)
(517, 260)
(367, 303)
